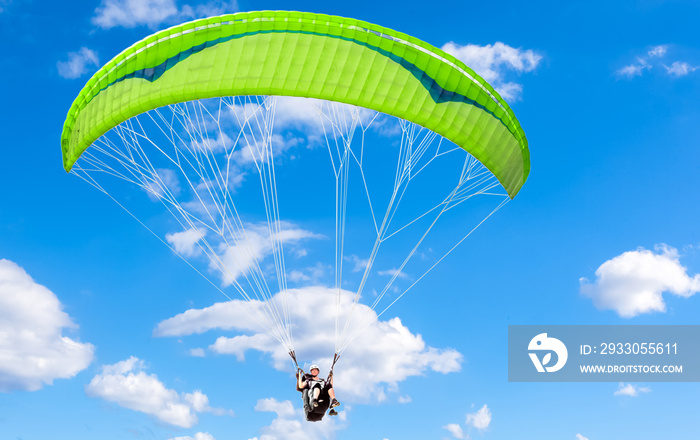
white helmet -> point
(314, 366)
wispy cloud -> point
(652, 59)
(493, 62)
(78, 63)
(633, 70)
(358, 264)
(153, 13)
(479, 420)
(197, 436)
(630, 390)
(657, 51)
(678, 69)
(581, 437)
(210, 8)
(311, 274)
(4, 4)
(634, 282)
(33, 350)
(132, 13)
(394, 273)
(197, 352)
(165, 183)
(312, 119)
(127, 384)
(455, 430)
(239, 258)
(185, 242)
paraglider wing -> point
(306, 55)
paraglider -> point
(318, 394)
(187, 116)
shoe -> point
(315, 403)
(334, 403)
(332, 412)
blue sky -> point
(607, 95)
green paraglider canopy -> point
(306, 55)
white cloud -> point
(300, 120)
(480, 419)
(153, 13)
(381, 357)
(304, 114)
(679, 69)
(197, 436)
(185, 242)
(634, 282)
(580, 437)
(78, 63)
(455, 430)
(298, 113)
(291, 425)
(630, 390)
(404, 399)
(33, 350)
(127, 384)
(239, 258)
(252, 145)
(493, 61)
